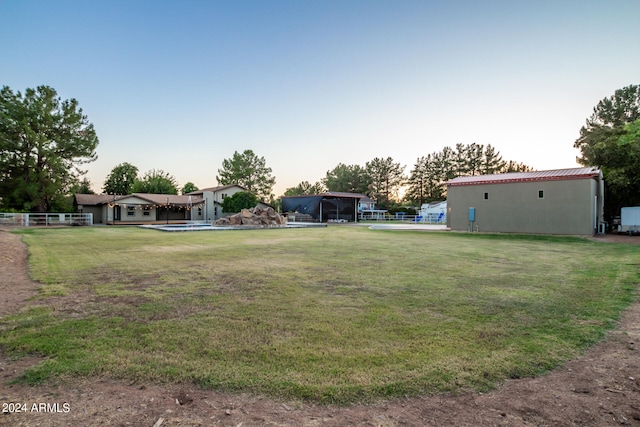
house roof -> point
(337, 194)
(345, 194)
(440, 203)
(548, 175)
(172, 199)
(216, 189)
(222, 188)
(94, 199)
(156, 199)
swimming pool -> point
(205, 226)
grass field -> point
(339, 314)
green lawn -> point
(337, 314)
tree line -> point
(245, 169)
(610, 140)
(45, 143)
(382, 178)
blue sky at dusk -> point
(181, 85)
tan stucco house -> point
(562, 201)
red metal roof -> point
(549, 175)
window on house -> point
(131, 211)
(540, 194)
(199, 211)
(146, 211)
(486, 196)
(224, 195)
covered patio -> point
(323, 207)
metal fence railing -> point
(45, 219)
(430, 218)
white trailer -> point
(629, 220)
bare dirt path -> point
(602, 388)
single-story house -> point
(93, 204)
(139, 207)
(562, 201)
(329, 206)
(201, 205)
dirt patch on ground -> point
(602, 388)
(15, 286)
(617, 238)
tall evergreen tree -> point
(513, 166)
(386, 178)
(461, 162)
(418, 177)
(347, 178)
(445, 164)
(474, 159)
(43, 142)
(492, 161)
(430, 173)
(305, 187)
(249, 171)
(83, 186)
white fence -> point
(430, 218)
(45, 219)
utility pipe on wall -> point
(595, 215)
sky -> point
(308, 84)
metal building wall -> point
(567, 207)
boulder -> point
(250, 221)
(254, 217)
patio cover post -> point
(355, 210)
